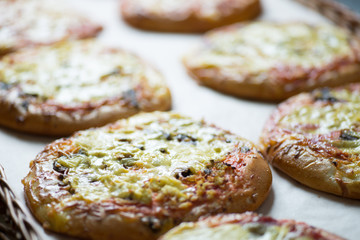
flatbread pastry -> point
(187, 16)
(137, 178)
(273, 61)
(56, 90)
(246, 226)
(25, 23)
(315, 139)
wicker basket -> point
(336, 12)
(13, 221)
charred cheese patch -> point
(38, 22)
(259, 47)
(76, 72)
(248, 231)
(146, 159)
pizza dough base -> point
(192, 23)
(273, 87)
(106, 220)
(299, 161)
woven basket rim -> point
(20, 223)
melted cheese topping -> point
(75, 72)
(146, 156)
(249, 231)
(179, 9)
(341, 115)
(261, 46)
(39, 21)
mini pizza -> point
(187, 16)
(273, 61)
(56, 90)
(246, 226)
(141, 176)
(25, 23)
(315, 138)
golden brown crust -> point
(40, 114)
(314, 158)
(272, 90)
(278, 82)
(20, 19)
(54, 122)
(299, 229)
(189, 19)
(245, 176)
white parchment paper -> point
(287, 199)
